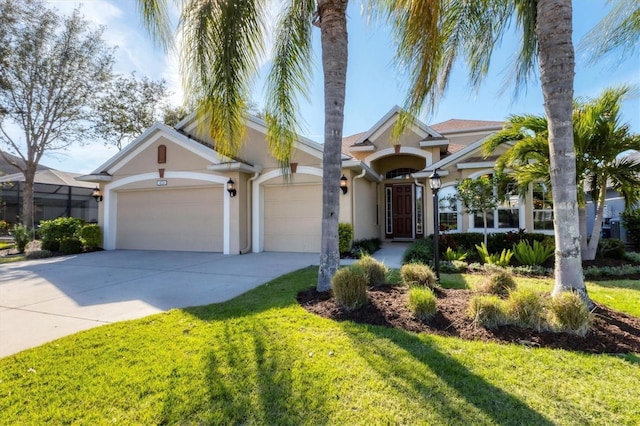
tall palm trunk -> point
(557, 63)
(592, 248)
(332, 15)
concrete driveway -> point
(43, 300)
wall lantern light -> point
(434, 183)
(343, 185)
(97, 194)
(231, 188)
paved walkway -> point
(42, 300)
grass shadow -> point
(482, 402)
(618, 283)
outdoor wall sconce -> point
(97, 194)
(343, 185)
(231, 188)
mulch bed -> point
(611, 332)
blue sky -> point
(374, 84)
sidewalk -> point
(390, 254)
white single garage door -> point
(187, 219)
(293, 218)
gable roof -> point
(456, 125)
(50, 177)
(393, 112)
(6, 168)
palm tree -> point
(220, 46)
(599, 140)
(473, 29)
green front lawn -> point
(262, 359)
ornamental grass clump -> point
(499, 283)
(526, 308)
(349, 287)
(414, 274)
(567, 312)
(376, 271)
(422, 303)
(487, 311)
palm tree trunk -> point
(557, 67)
(592, 248)
(582, 220)
(332, 16)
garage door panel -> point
(293, 218)
(188, 219)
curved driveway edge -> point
(42, 300)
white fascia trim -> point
(111, 203)
(476, 131)
(359, 165)
(94, 178)
(454, 157)
(258, 203)
(396, 110)
(362, 148)
(434, 144)
(234, 167)
(476, 165)
(403, 150)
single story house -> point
(170, 190)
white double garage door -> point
(191, 219)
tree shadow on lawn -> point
(483, 402)
(252, 378)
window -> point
(389, 209)
(162, 154)
(542, 207)
(448, 209)
(419, 208)
(507, 214)
(402, 173)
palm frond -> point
(222, 43)
(155, 18)
(619, 29)
(290, 75)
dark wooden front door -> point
(402, 211)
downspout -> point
(249, 211)
(424, 230)
(353, 200)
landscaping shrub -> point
(416, 274)
(375, 270)
(567, 312)
(452, 255)
(345, 235)
(39, 254)
(349, 287)
(632, 257)
(422, 302)
(598, 272)
(21, 237)
(361, 247)
(500, 284)
(4, 227)
(611, 248)
(71, 246)
(91, 236)
(465, 240)
(53, 232)
(453, 267)
(526, 308)
(532, 255)
(420, 251)
(487, 311)
(502, 259)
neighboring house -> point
(614, 205)
(167, 190)
(56, 194)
